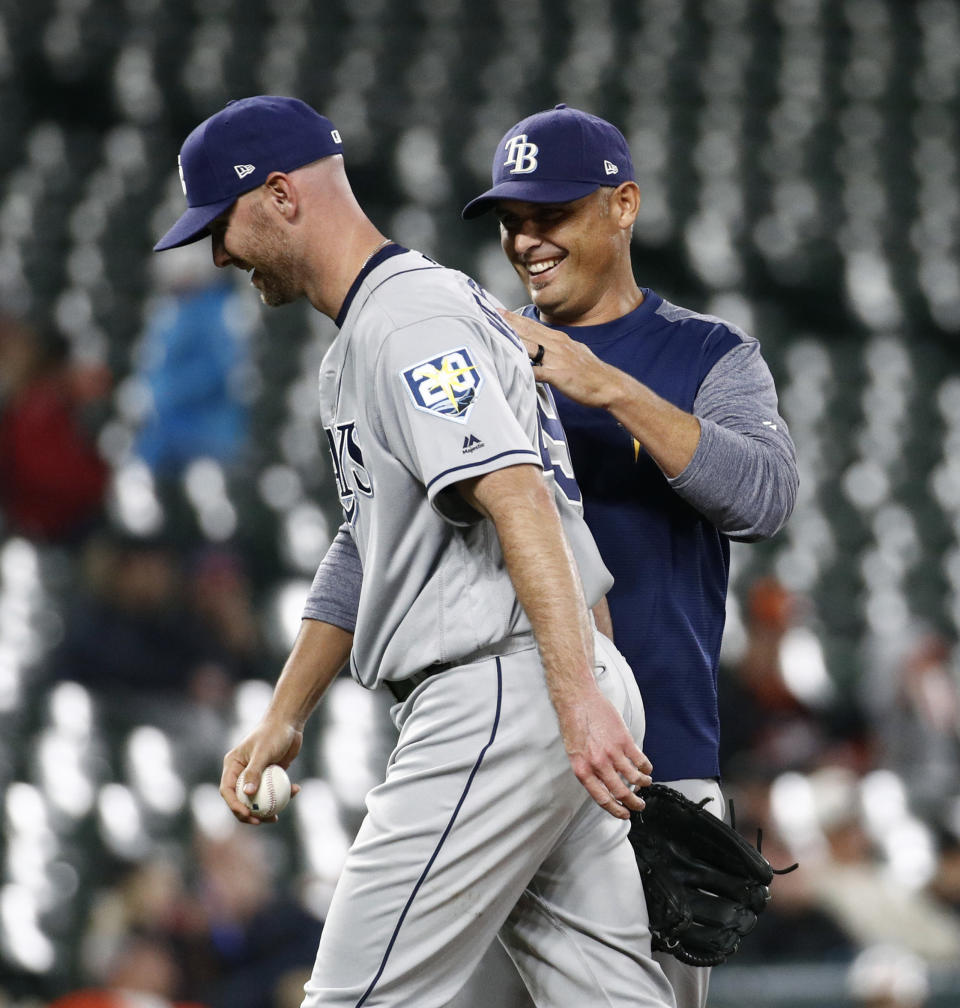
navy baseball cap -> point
(554, 157)
(236, 149)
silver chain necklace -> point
(386, 241)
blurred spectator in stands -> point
(52, 479)
(221, 597)
(852, 883)
(147, 897)
(221, 930)
(193, 363)
(886, 976)
(777, 704)
(128, 948)
(911, 692)
(133, 639)
(257, 942)
(144, 974)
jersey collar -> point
(607, 332)
(371, 264)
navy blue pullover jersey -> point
(670, 563)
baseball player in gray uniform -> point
(506, 800)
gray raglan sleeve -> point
(743, 475)
(334, 596)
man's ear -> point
(626, 203)
(281, 194)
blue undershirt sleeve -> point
(743, 475)
(334, 596)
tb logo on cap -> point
(522, 155)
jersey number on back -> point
(553, 446)
(553, 440)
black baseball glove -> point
(705, 884)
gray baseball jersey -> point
(424, 386)
(480, 826)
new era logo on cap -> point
(235, 151)
(555, 156)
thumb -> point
(251, 775)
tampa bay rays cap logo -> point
(555, 156)
(446, 385)
(521, 155)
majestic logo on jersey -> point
(521, 154)
(446, 385)
(471, 443)
(352, 476)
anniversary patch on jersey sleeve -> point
(446, 385)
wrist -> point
(571, 695)
(614, 392)
(280, 718)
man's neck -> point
(337, 264)
(612, 306)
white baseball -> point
(272, 795)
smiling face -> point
(246, 237)
(574, 258)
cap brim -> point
(194, 224)
(528, 191)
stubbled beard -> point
(273, 295)
(276, 280)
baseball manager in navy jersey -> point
(506, 801)
(672, 422)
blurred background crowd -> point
(165, 496)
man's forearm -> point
(542, 571)
(603, 753)
(732, 458)
(318, 654)
(743, 476)
(669, 434)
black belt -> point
(402, 688)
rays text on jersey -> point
(348, 468)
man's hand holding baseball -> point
(268, 743)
